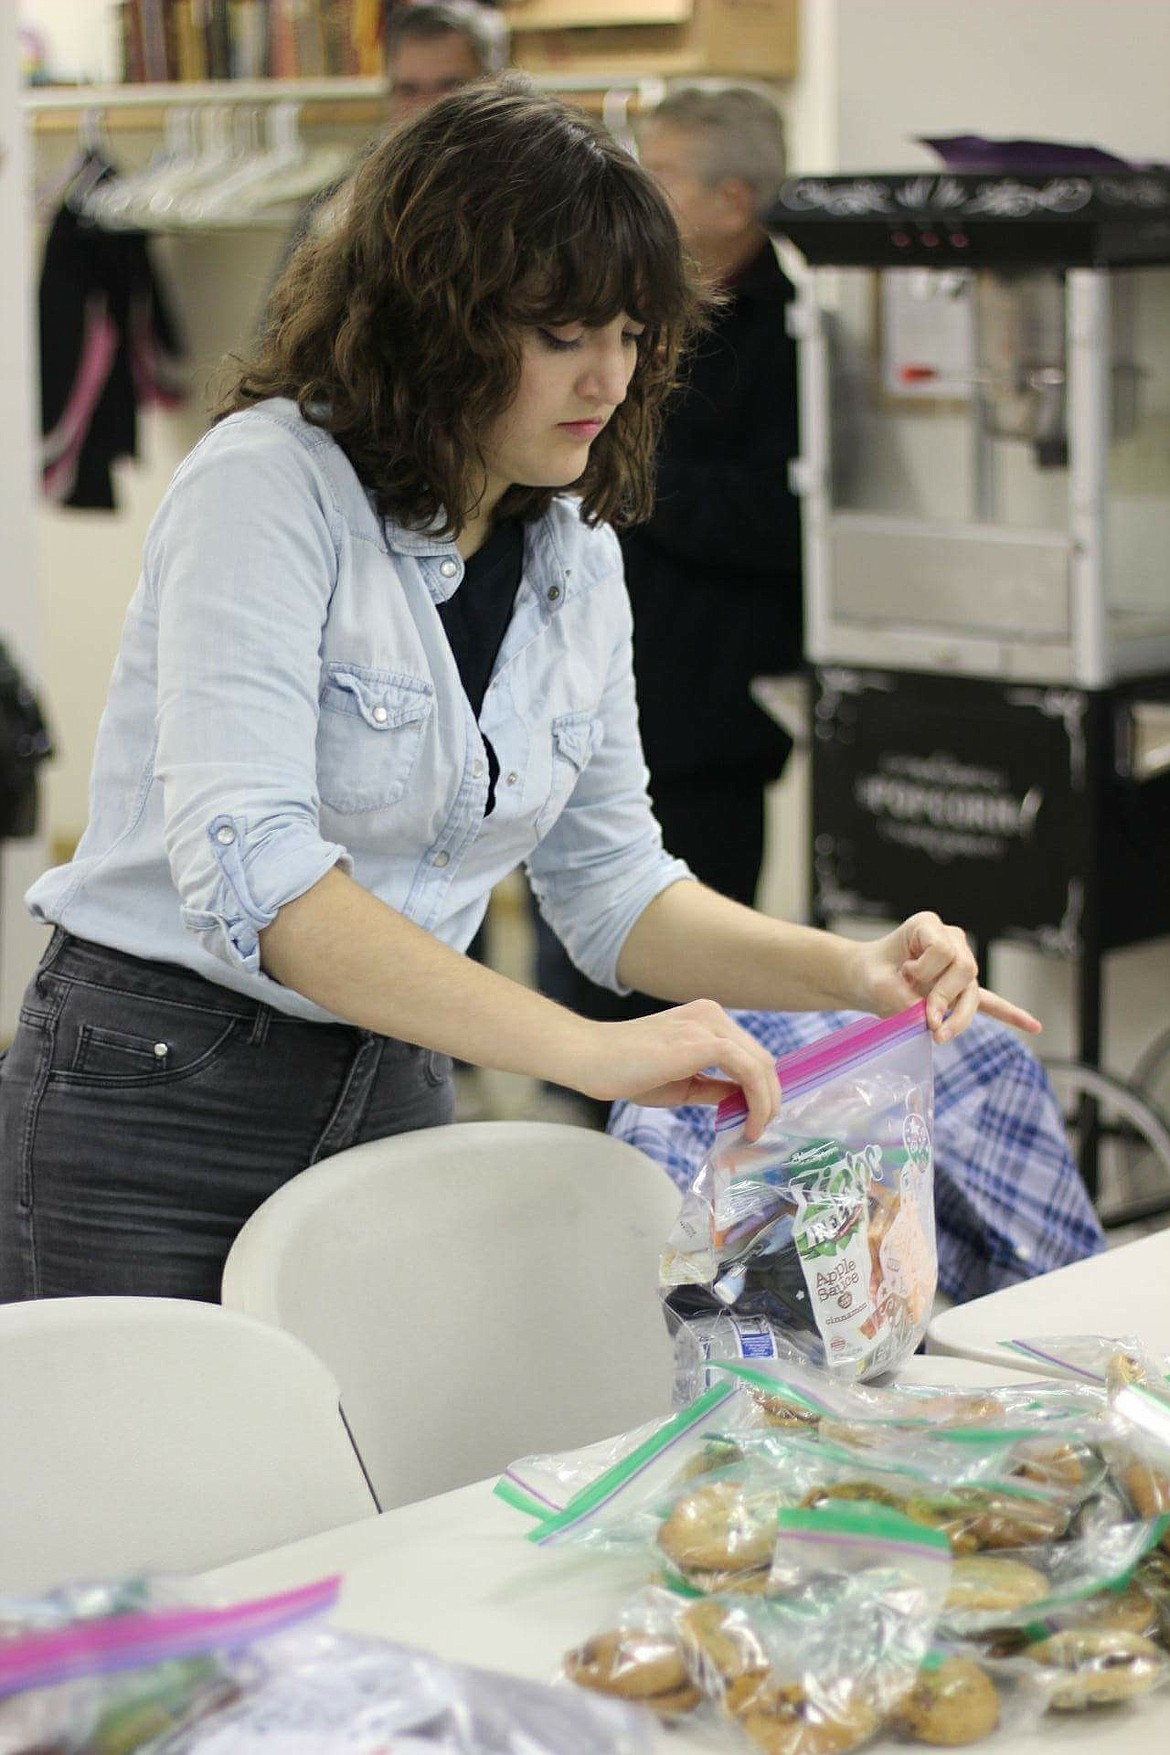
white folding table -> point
(1124, 1293)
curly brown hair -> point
(398, 327)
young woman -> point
(377, 658)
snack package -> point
(617, 1496)
(822, 1231)
(542, 1485)
(131, 1668)
(813, 1672)
(108, 1669)
(327, 1693)
(1097, 1666)
(639, 1658)
(1048, 1435)
(963, 1695)
(1105, 1360)
(995, 1593)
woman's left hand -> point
(925, 959)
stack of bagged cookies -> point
(841, 1565)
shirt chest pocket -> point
(369, 735)
(575, 737)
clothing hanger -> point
(216, 151)
(284, 171)
(89, 164)
(121, 202)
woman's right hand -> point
(663, 1061)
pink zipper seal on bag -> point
(817, 1062)
(129, 1642)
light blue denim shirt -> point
(285, 700)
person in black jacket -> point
(714, 575)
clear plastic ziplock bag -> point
(823, 1229)
(812, 1673)
(963, 1695)
(995, 1593)
(543, 1484)
(1046, 1434)
(1108, 1361)
(821, 1666)
(617, 1505)
(330, 1693)
(108, 1670)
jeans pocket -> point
(105, 1036)
(437, 1068)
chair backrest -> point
(157, 1434)
(482, 1291)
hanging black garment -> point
(24, 745)
(109, 346)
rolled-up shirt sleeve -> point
(241, 562)
(602, 863)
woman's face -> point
(572, 378)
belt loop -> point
(53, 949)
(259, 1032)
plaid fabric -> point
(1009, 1200)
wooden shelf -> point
(39, 99)
(357, 103)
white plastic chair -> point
(482, 1291)
(158, 1434)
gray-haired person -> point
(432, 50)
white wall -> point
(80, 37)
(20, 619)
(1089, 70)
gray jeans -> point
(145, 1113)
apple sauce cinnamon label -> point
(831, 1233)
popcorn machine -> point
(985, 485)
(986, 423)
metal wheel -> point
(1135, 1133)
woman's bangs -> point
(622, 257)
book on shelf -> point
(197, 40)
(153, 31)
(308, 28)
(282, 40)
(248, 39)
(190, 39)
(130, 42)
(219, 44)
(366, 29)
(337, 22)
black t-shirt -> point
(475, 619)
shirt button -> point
(509, 779)
(380, 715)
(448, 569)
(554, 592)
(225, 835)
(442, 859)
(476, 769)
